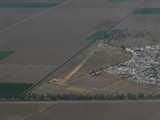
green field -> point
(13, 89)
(105, 34)
(147, 11)
(4, 54)
(27, 4)
(98, 35)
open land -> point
(13, 14)
(50, 37)
(138, 29)
(67, 48)
(122, 110)
(79, 47)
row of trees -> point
(34, 97)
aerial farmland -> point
(78, 50)
(42, 37)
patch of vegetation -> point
(98, 35)
(4, 54)
(27, 4)
(147, 11)
(124, 38)
(13, 89)
(34, 97)
(108, 34)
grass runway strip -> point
(27, 4)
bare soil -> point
(122, 110)
(23, 73)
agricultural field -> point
(138, 28)
(44, 35)
(17, 77)
(123, 110)
(51, 45)
(85, 82)
(18, 11)
(61, 48)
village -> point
(143, 67)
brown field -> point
(97, 82)
(102, 4)
(48, 40)
(51, 32)
(151, 3)
(124, 87)
(83, 82)
(51, 37)
(143, 30)
(23, 73)
(103, 110)
(104, 57)
(11, 16)
(16, 71)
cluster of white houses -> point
(143, 67)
